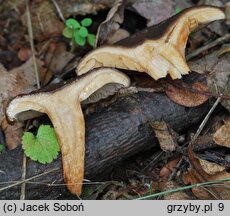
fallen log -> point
(113, 134)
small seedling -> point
(78, 32)
(44, 147)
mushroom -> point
(158, 50)
(63, 107)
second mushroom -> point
(64, 110)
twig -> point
(203, 123)
(23, 187)
(29, 179)
(59, 184)
(158, 155)
(208, 46)
(60, 14)
(175, 169)
(30, 31)
(190, 147)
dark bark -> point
(112, 135)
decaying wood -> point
(112, 135)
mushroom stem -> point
(67, 118)
(64, 110)
(69, 125)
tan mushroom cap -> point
(158, 50)
(64, 110)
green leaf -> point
(1, 148)
(177, 10)
(191, 35)
(86, 22)
(79, 39)
(44, 147)
(72, 23)
(91, 39)
(67, 33)
(83, 31)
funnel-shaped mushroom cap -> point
(158, 50)
(64, 110)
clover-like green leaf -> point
(79, 39)
(44, 147)
(67, 32)
(91, 39)
(86, 22)
(72, 23)
(83, 31)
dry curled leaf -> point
(222, 135)
(186, 97)
(166, 136)
(210, 167)
(111, 25)
(197, 174)
(201, 193)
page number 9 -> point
(221, 206)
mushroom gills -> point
(102, 93)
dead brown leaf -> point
(186, 97)
(13, 133)
(168, 168)
(111, 25)
(166, 136)
(119, 35)
(197, 174)
(210, 167)
(45, 22)
(201, 193)
(19, 80)
(57, 57)
(219, 78)
(222, 135)
(154, 11)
